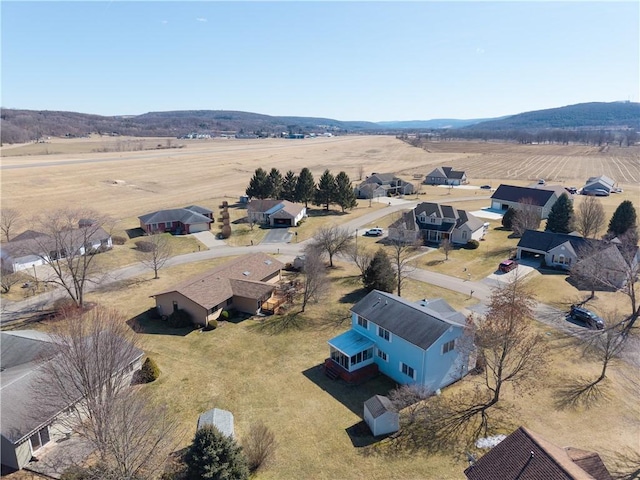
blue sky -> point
(345, 60)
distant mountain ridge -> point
(28, 125)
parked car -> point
(507, 265)
(374, 232)
(486, 187)
(541, 181)
(589, 318)
(572, 190)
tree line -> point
(303, 188)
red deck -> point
(333, 371)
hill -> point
(28, 125)
(594, 115)
(432, 124)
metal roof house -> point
(410, 342)
(541, 198)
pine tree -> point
(623, 219)
(326, 191)
(274, 184)
(379, 275)
(214, 456)
(560, 218)
(305, 187)
(345, 196)
(289, 187)
(258, 185)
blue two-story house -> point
(411, 342)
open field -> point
(131, 183)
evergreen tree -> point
(623, 219)
(274, 184)
(507, 218)
(345, 196)
(258, 185)
(326, 191)
(379, 275)
(560, 218)
(214, 456)
(289, 187)
(305, 187)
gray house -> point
(275, 213)
(541, 198)
(433, 222)
(383, 184)
(25, 430)
(446, 176)
(598, 183)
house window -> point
(464, 234)
(383, 355)
(168, 224)
(449, 346)
(361, 356)
(384, 333)
(363, 322)
(214, 309)
(39, 438)
(407, 370)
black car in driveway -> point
(589, 318)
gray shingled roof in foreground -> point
(378, 405)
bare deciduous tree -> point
(90, 370)
(332, 240)
(10, 219)
(259, 446)
(8, 279)
(402, 248)
(315, 283)
(159, 252)
(446, 246)
(67, 246)
(590, 217)
(360, 171)
(361, 256)
(527, 217)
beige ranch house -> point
(275, 213)
(243, 284)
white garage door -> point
(198, 227)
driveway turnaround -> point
(208, 239)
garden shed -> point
(380, 415)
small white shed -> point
(381, 416)
(221, 419)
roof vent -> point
(268, 262)
(247, 273)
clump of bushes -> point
(225, 232)
(149, 371)
(259, 446)
(211, 325)
(179, 319)
(472, 244)
(118, 240)
(145, 246)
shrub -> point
(213, 455)
(180, 319)
(507, 218)
(149, 371)
(226, 231)
(259, 446)
(118, 240)
(225, 315)
(211, 325)
(145, 246)
(472, 244)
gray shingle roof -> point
(512, 193)
(545, 241)
(182, 215)
(378, 405)
(221, 419)
(413, 322)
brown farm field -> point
(131, 183)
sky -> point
(374, 61)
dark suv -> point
(587, 316)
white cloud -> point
(200, 19)
(479, 51)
